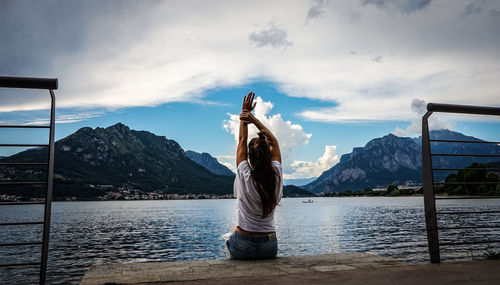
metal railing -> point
(50, 85)
(428, 177)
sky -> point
(328, 75)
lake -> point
(88, 233)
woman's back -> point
(249, 204)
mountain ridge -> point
(393, 160)
(123, 158)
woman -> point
(258, 187)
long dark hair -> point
(263, 175)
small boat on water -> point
(308, 201)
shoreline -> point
(339, 197)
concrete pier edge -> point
(352, 268)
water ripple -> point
(88, 233)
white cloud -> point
(306, 169)
(122, 54)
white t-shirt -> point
(249, 205)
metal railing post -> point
(48, 197)
(429, 201)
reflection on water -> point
(88, 233)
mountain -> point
(294, 191)
(396, 160)
(92, 161)
(209, 162)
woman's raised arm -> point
(241, 150)
(246, 108)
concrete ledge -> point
(205, 270)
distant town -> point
(124, 193)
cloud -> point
(229, 165)
(66, 119)
(419, 108)
(471, 9)
(306, 169)
(227, 156)
(117, 54)
(400, 132)
(227, 160)
(272, 35)
(403, 6)
(378, 58)
(22, 118)
(494, 13)
(317, 10)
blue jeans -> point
(252, 247)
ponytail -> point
(262, 172)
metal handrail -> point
(21, 243)
(49, 84)
(463, 109)
(23, 127)
(21, 203)
(428, 176)
(23, 145)
(28, 82)
(467, 197)
(471, 212)
(465, 154)
(465, 168)
(464, 183)
(470, 242)
(25, 163)
(20, 264)
(21, 223)
(460, 141)
(470, 227)
(24, 183)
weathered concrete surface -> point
(134, 273)
(346, 268)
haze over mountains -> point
(91, 162)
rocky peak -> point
(119, 128)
